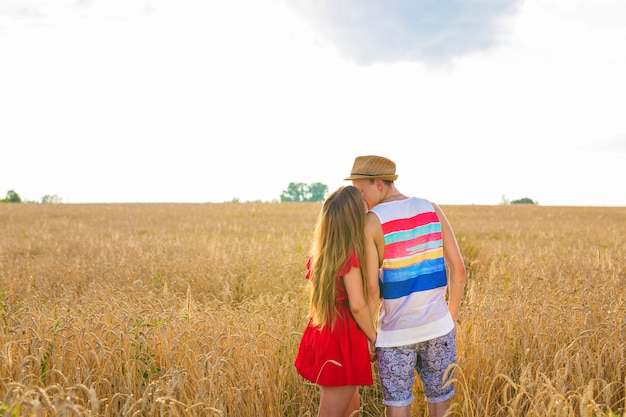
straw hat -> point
(372, 166)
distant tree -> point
(12, 197)
(51, 199)
(295, 192)
(317, 191)
(524, 200)
(299, 192)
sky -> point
(193, 101)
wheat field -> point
(197, 310)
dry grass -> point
(197, 310)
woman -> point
(338, 343)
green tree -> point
(295, 192)
(51, 199)
(318, 191)
(12, 197)
(524, 200)
(299, 192)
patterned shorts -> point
(430, 359)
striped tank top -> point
(414, 278)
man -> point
(412, 243)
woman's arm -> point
(374, 250)
(358, 304)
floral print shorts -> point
(430, 359)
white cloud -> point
(409, 30)
(197, 101)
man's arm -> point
(455, 264)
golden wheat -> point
(197, 310)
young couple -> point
(362, 230)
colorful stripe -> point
(408, 262)
(422, 268)
(421, 233)
(410, 222)
(399, 289)
(405, 256)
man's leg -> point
(398, 411)
(436, 356)
(396, 368)
(439, 409)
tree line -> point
(13, 197)
(295, 192)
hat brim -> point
(388, 177)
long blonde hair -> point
(338, 232)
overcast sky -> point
(210, 101)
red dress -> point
(337, 356)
